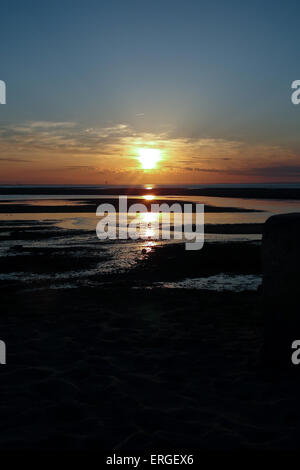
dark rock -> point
(281, 282)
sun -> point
(148, 158)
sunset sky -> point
(91, 83)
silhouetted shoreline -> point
(249, 193)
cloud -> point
(51, 124)
(81, 167)
(281, 171)
(210, 170)
(11, 160)
(70, 146)
(64, 137)
(271, 171)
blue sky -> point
(186, 70)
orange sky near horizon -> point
(66, 153)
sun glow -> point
(149, 217)
(148, 158)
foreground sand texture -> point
(120, 369)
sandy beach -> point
(125, 369)
(111, 346)
(123, 366)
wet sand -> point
(43, 248)
(28, 231)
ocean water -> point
(77, 232)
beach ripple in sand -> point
(128, 369)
